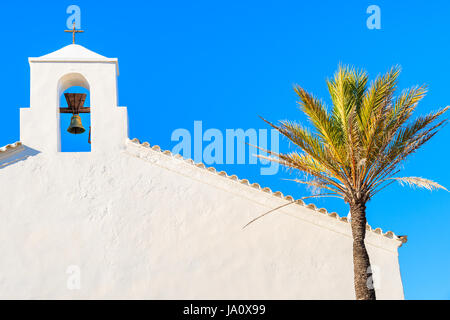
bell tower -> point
(50, 76)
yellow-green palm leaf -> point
(354, 149)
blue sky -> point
(227, 62)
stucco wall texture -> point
(137, 223)
(145, 225)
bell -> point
(76, 127)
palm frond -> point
(325, 126)
(356, 147)
(419, 182)
(299, 201)
(407, 140)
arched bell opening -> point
(75, 116)
(75, 120)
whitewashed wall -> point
(145, 225)
(140, 224)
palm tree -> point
(354, 150)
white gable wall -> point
(141, 224)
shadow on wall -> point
(17, 155)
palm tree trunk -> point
(361, 264)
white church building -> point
(128, 220)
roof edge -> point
(18, 146)
(10, 149)
(378, 231)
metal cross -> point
(73, 32)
